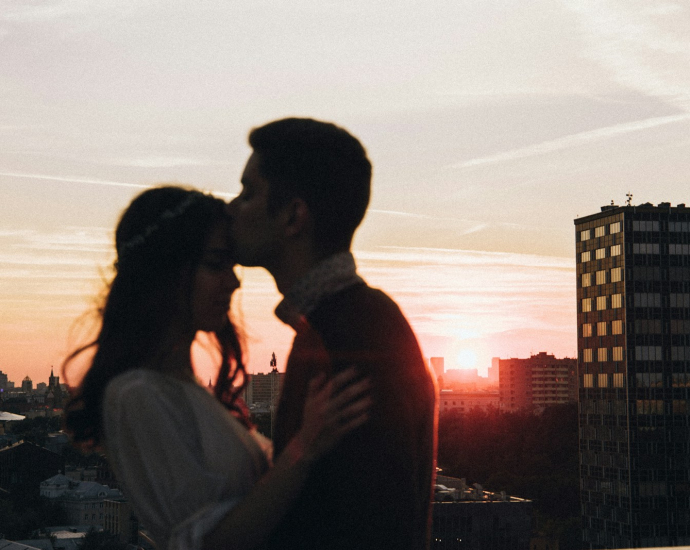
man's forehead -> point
(252, 175)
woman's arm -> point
(332, 409)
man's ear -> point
(297, 217)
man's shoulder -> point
(364, 315)
(358, 297)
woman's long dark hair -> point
(160, 240)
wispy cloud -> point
(574, 140)
(168, 162)
(453, 256)
(642, 44)
(92, 181)
(70, 179)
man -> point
(305, 190)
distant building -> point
(55, 397)
(24, 465)
(264, 388)
(261, 395)
(493, 371)
(53, 381)
(437, 366)
(465, 401)
(84, 501)
(473, 519)
(3, 381)
(633, 323)
(537, 382)
(27, 385)
(119, 519)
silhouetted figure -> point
(190, 469)
(305, 190)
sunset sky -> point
(491, 126)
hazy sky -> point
(491, 125)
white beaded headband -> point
(150, 229)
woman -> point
(194, 474)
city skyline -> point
(490, 127)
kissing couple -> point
(355, 437)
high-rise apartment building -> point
(536, 382)
(633, 322)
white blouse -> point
(183, 461)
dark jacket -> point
(373, 491)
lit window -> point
(600, 231)
(618, 380)
(646, 248)
(650, 406)
(603, 381)
(647, 299)
(587, 355)
(586, 304)
(618, 353)
(601, 302)
(617, 327)
(600, 253)
(615, 228)
(586, 256)
(601, 277)
(648, 353)
(616, 301)
(680, 353)
(680, 300)
(679, 249)
(603, 354)
(616, 274)
(616, 250)
(601, 328)
(588, 380)
(586, 330)
(586, 279)
(645, 226)
(585, 235)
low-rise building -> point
(469, 518)
(84, 501)
(24, 465)
(465, 401)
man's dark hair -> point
(323, 165)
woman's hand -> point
(333, 409)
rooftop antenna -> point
(629, 201)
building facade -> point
(24, 465)
(90, 503)
(465, 401)
(633, 322)
(536, 382)
(473, 519)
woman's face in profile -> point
(214, 282)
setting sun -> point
(466, 359)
